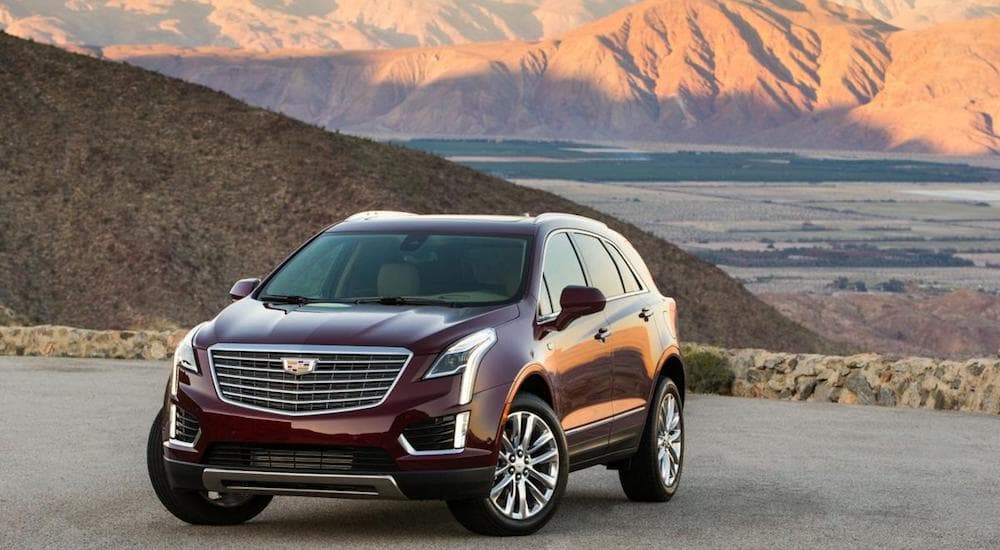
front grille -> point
(435, 434)
(340, 381)
(185, 426)
(299, 458)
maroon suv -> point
(473, 359)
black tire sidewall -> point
(191, 507)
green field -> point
(580, 162)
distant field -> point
(595, 164)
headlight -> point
(184, 358)
(464, 357)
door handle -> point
(645, 314)
(602, 334)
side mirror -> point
(578, 301)
(243, 288)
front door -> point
(580, 360)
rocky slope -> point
(961, 323)
(132, 200)
(757, 72)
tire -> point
(642, 478)
(195, 507)
(485, 515)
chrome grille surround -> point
(347, 378)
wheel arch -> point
(533, 379)
(672, 366)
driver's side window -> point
(561, 268)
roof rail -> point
(370, 214)
(557, 215)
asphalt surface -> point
(758, 474)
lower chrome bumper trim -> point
(290, 483)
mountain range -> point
(268, 25)
(774, 73)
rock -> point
(804, 388)
(886, 397)
(858, 385)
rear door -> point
(631, 331)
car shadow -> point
(357, 522)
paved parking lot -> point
(761, 474)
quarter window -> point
(562, 269)
(601, 268)
(628, 276)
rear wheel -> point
(654, 473)
(198, 508)
(530, 476)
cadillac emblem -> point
(297, 366)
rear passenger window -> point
(600, 266)
(628, 276)
(562, 269)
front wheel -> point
(654, 473)
(530, 476)
(198, 508)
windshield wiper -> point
(404, 301)
(279, 299)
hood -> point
(421, 329)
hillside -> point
(128, 199)
(756, 72)
(961, 323)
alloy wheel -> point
(668, 438)
(528, 468)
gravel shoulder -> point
(758, 474)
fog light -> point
(461, 427)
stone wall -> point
(50, 340)
(868, 379)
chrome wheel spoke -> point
(506, 447)
(529, 425)
(548, 480)
(515, 429)
(499, 487)
(522, 499)
(540, 442)
(545, 458)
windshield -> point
(390, 268)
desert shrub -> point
(892, 285)
(708, 371)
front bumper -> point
(419, 485)
(448, 474)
